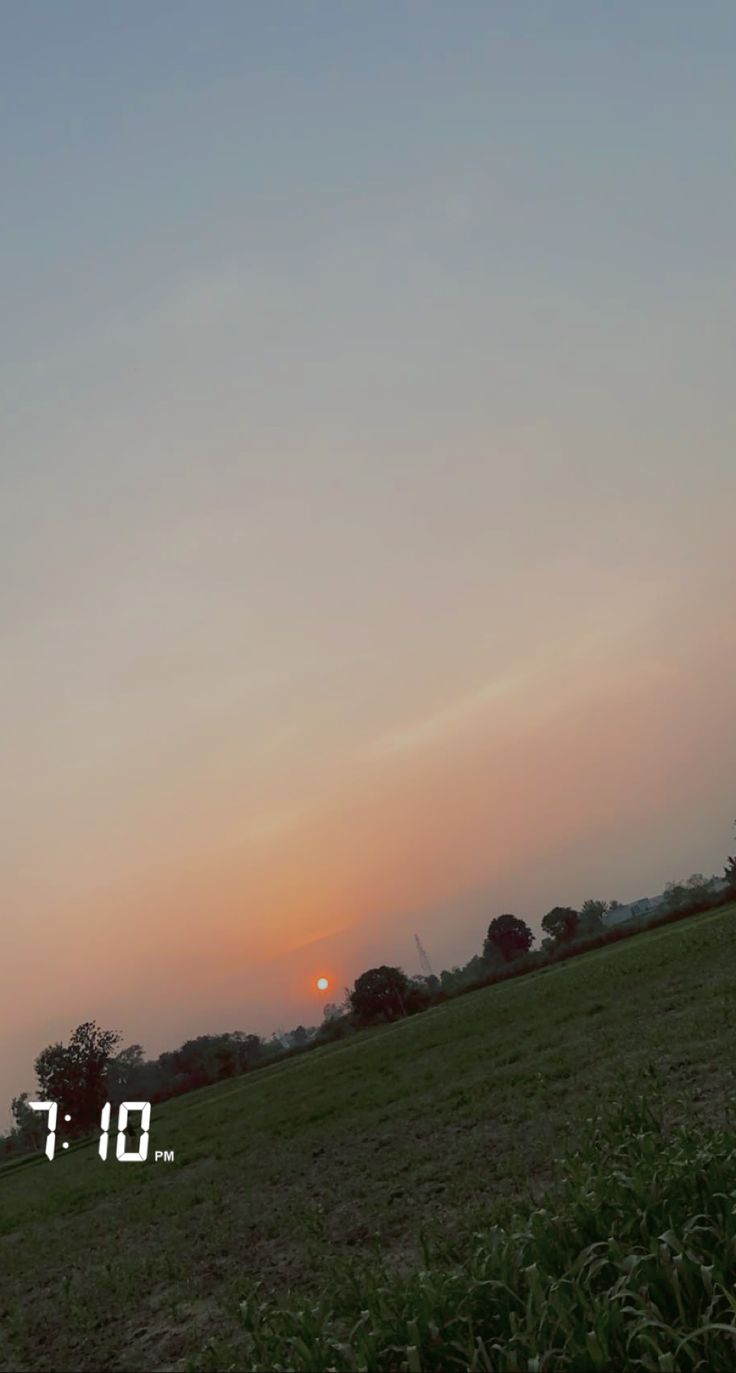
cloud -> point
(432, 728)
(562, 666)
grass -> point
(631, 1264)
(404, 1174)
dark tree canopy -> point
(561, 923)
(508, 936)
(591, 916)
(91, 1070)
(75, 1074)
(209, 1058)
(124, 1072)
(729, 871)
(29, 1128)
(380, 992)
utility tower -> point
(425, 964)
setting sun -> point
(322, 984)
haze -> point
(367, 490)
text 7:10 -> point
(122, 1154)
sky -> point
(367, 490)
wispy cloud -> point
(560, 667)
(432, 728)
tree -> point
(450, 978)
(418, 996)
(249, 1048)
(675, 896)
(30, 1127)
(729, 872)
(591, 917)
(561, 923)
(124, 1073)
(508, 936)
(75, 1074)
(477, 967)
(698, 889)
(335, 1027)
(209, 1058)
(379, 992)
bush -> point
(337, 1027)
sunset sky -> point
(367, 490)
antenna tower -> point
(425, 964)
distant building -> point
(644, 906)
(647, 905)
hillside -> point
(413, 1129)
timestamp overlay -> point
(133, 1128)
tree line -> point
(92, 1068)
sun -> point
(322, 984)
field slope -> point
(355, 1149)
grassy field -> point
(367, 1157)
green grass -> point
(631, 1263)
(401, 1174)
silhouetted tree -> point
(475, 970)
(698, 889)
(729, 871)
(124, 1073)
(591, 916)
(209, 1058)
(335, 1027)
(379, 992)
(675, 896)
(450, 978)
(418, 995)
(30, 1127)
(561, 923)
(509, 936)
(75, 1074)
